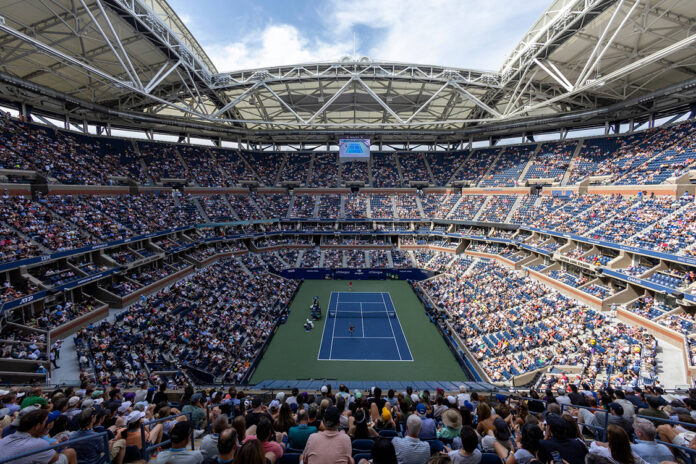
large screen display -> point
(354, 149)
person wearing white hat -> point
(123, 409)
(274, 409)
(325, 395)
(132, 430)
(73, 406)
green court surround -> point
(292, 354)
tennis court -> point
(377, 334)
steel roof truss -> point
(386, 107)
(591, 65)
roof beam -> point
(238, 99)
(330, 100)
(386, 107)
(686, 42)
(591, 65)
(478, 102)
(425, 105)
(282, 102)
(556, 75)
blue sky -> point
(246, 34)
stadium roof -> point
(128, 62)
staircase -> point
(183, 162)
(283, 163)
(342, 213)
(280, 258)
(666, 219)
(459, 168)
(398, 168)
(530, 161)
(26, 237)
(248, 166)
(218, 166)
(317, 202)
(514, 208)
(414, 261)
(571, 164)
(141, 160)
(482, 208)
(491, 166)
(229, 206)
(291, 206)
(420, 208)
(200, 209)
(298, 261)
(310, 170)
(455, 207)
(427, 167)
(257, 208)
(243, 267)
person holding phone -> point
(571, 450)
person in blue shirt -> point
(429, 427)
(646, 447)
(88, 451)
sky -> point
(244, 34)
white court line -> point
(362, 322)
(402, 327)
(323, 331)
(392, 327)
(371, 360)
(360, 338)
(338, 297)
(393, 337)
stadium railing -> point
(684, 451)
(602, 430)
(104, 457)
(689, 453)
(146, 450)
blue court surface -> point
(377, 334)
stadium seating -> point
(144, 235)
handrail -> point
(104, 459)
(602, 430)
(147, 449)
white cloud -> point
(463, 33)
(277, 44)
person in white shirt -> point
(463, 396)
(178, 454)
(562, 397)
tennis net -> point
(361, 314)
